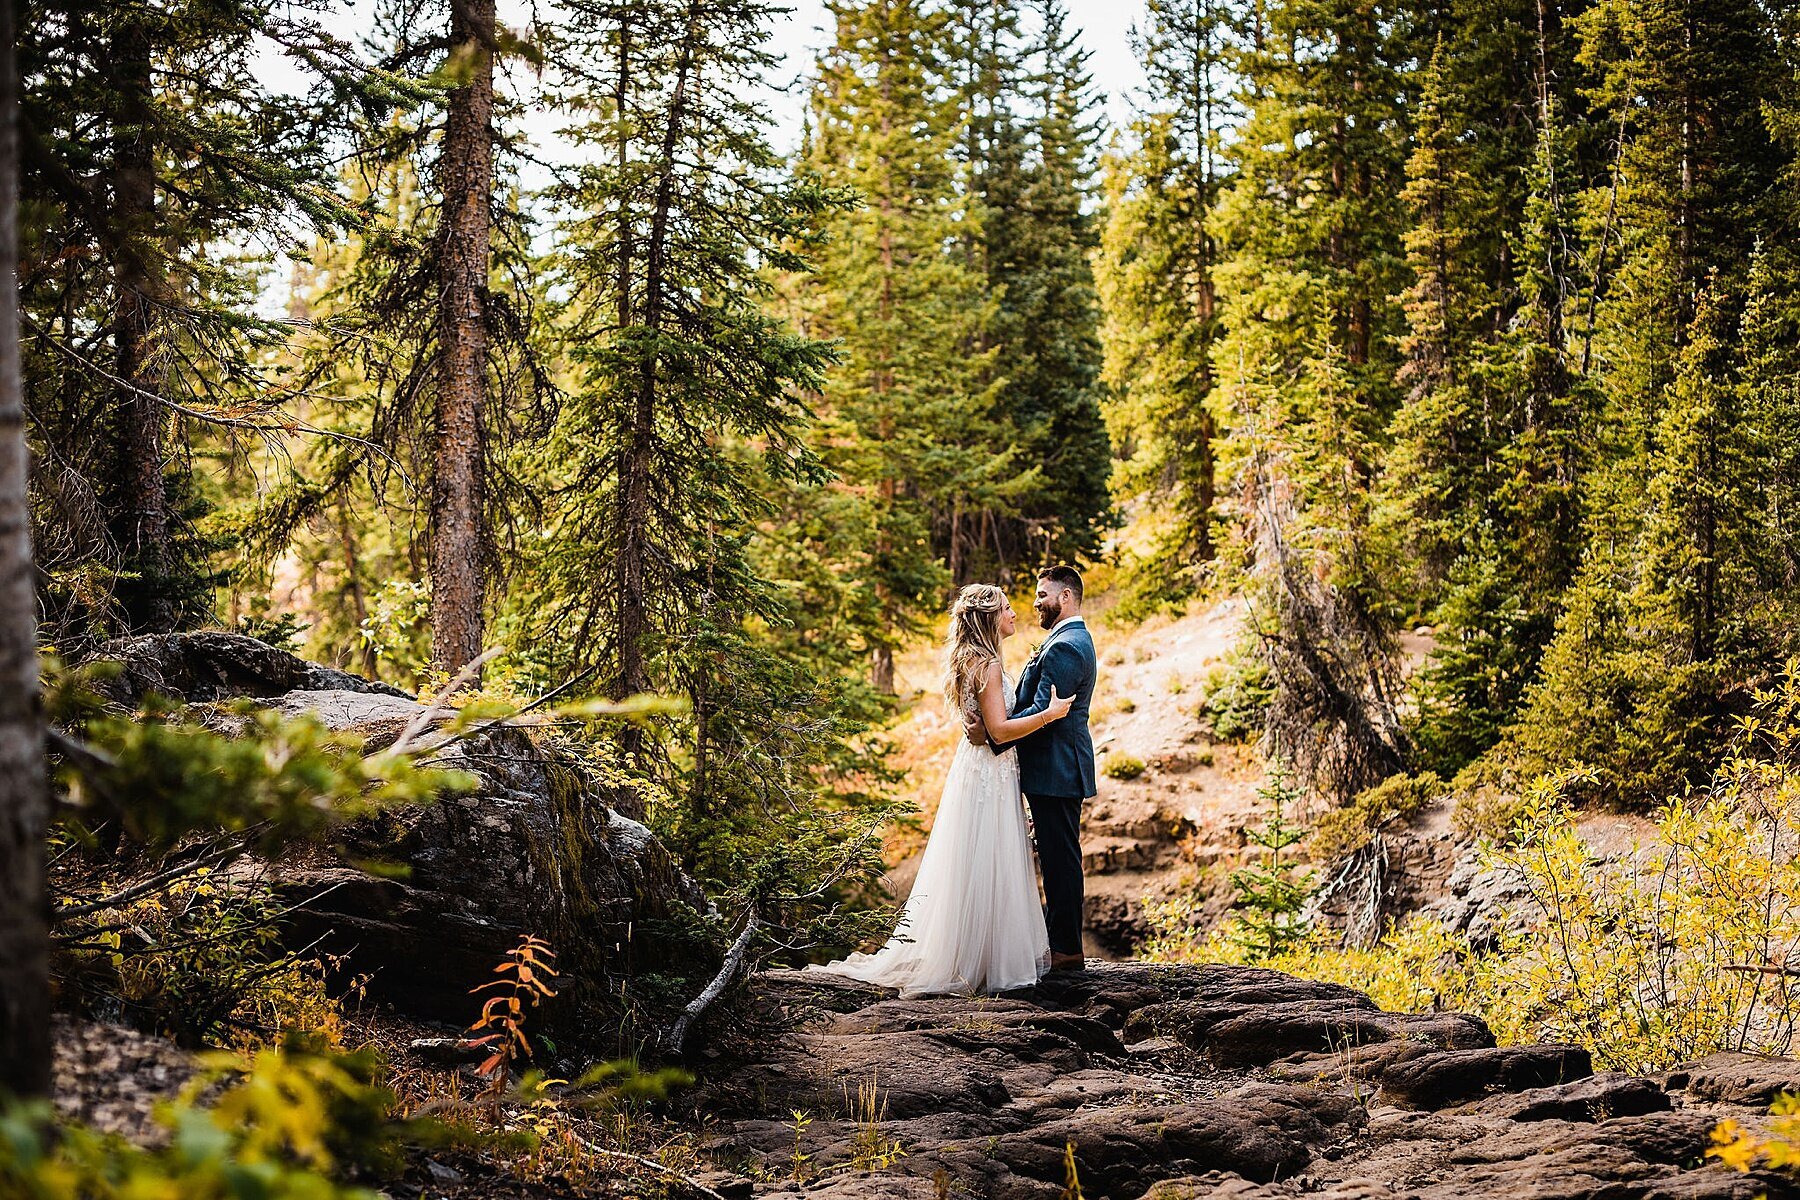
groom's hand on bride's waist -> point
(975, 731)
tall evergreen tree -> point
(686, 410)
(1480, 486)
(1028, 166)
(1311, 260)
(149, 142)
(465, 179)
(1155, 272)
(1659, 623)
(439, 311)
(911, 420)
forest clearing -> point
(1245, 572)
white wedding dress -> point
(972, 922)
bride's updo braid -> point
(974, 641)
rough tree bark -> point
(24, 802)
(142, 512)
(881, 657)
(458, 499)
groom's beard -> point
(1048, 617)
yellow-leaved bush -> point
(1778, 1147)
(288, 1125)
(1687, 945)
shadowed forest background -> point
(1481, 316)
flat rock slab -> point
(1737, 1078)
(1457, 1076)
(1596, 1098)
(1167, 1083)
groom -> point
(1056, 762)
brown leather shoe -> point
(1067, 962)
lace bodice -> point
(971, 704)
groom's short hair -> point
(1063, 576)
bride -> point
(972, 922)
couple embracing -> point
(972, 922)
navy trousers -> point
(1057, 820)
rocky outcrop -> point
(426, 899)
(1163, 1082)
(201, 667)
(535, 848)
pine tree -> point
(1311, 258)
(465, 180)
(1155, 273)
(1662, 619)
(1270, 895)
(149, 143)
(1028, 166)
(685, 413)
(1480, 486)
(349, 520)
(438, 311)
(1769, 412)
(910, 419)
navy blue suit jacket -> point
(1058, 760)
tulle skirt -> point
(972, 923)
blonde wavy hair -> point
(974, 641)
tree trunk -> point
(634, 468)
(24, 803)
(881, 669)
(466, 178)
(881, 666)
(142, 512)
(1205, 292)
(359, 604)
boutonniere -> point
(1035, 651)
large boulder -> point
(425, 900)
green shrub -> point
(1487, 812)
(1119, 765)
(398, 631)
(1345, 830)
(200, 963)
(1235, 695)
